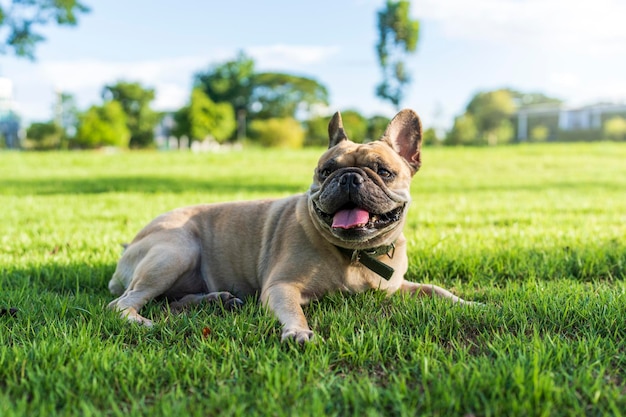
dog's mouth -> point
(353, 218)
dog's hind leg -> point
(154, 274)
(229, 301)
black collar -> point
(367, 257)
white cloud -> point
(84, 78)
(171, 77)
(579, 91)
(170, 96)
(79, 74)
(564, 80)
(283, 56)
(578, 26)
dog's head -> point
(361, 192)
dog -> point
(343, 234)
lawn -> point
(536, 233)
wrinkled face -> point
(360, 194)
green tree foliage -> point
(259, 95)
(376, 126)
(355, 125)
(277, 132)
(202, 118)
(615, 129)
(358, 128)
(316, 129)
(430, 137)
(504, 133)
(490, 108)
(278, 95)
(44, 135)
(140, 118)
(463, 132)
(19, 20)
(487, 119)
(397, 38)
(230, 82)
(55, 134)
(103, 126)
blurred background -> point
(209, 74)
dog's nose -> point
(351, 179)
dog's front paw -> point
(132, 315)
(300, 335)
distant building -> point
(562, 123)
(9, 120)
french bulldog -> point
(343, 234)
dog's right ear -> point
(336, 134)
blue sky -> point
(572, 49)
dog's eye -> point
(323, 173)
(384, 173)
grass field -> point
(536, 233)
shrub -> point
(615, 129)
(44, 136)
(277, 132)
(103, 126)
(539, 133)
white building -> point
(562, 119)
(9, 120)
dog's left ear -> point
(404, 135)
(336, 133)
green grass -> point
(537, 233)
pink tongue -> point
(348, 219)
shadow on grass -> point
(601, 261)
(592, 262)
(61, 279)
(149, 184)
(537, 187)
(270, 184)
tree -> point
(491, 112)
(19, 19)
(397, 38)
(430, 137)
(490, 108)
(259, 95)
(464, 131)
(230, 82)
(489, 117)
(376, 126)
(202, 118)
(316, 131)
(279, 95)
(278, 132)
(140, 118)
(44, 135)
(103, 126)
(355, 125)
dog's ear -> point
(404, 135)
(336, 133)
